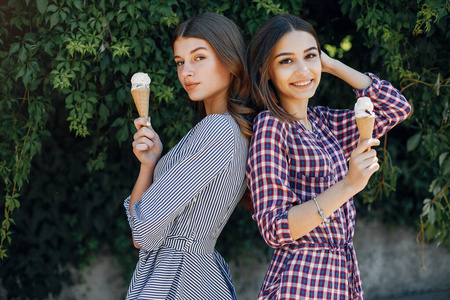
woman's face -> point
(200, 71)
(295, 67)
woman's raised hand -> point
(146, 145)
(327, 62)
(362, 165)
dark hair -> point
(226, 40)
(263, 43)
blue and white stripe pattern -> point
(196, 187)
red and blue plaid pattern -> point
(287, 165)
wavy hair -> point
(226, 40)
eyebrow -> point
(291, 53)
(196, 49)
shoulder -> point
(266, 121)
(326, 114)
(215, 125)
(218, 129)
(318, 110)
(269, 128)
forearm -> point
(354, 78)
(143, 182)
(304, 218)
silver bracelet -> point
(322, 215)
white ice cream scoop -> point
(364, 108)
(140, 80)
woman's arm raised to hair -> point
(354, 78)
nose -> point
(302, 68)
(187, 70)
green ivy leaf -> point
(42, 5)
(413, 142)
(122, 134)
(23, 54)
(54, 20)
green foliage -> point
(66, 119)
(413, 39)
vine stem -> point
(14, 189)
(422, 228)
(415, 81)
(440, 192)
(384, 169)
(422, 242)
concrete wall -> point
(390, 263)
(389, 260)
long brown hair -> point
(226, 40)
(263, 93)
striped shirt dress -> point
(196, 187)
(287, 165)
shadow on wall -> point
(389, 260)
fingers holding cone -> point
(143, 138)
(362, 164)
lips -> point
(302, 83)
(191, 85)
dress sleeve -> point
(212, 148)
(390, 107)
(268, 180)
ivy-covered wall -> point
(66, 119)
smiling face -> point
(295, 68)
(201, 72)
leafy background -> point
(66, 119)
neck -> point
(298, 109)
(216, 107)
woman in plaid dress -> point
(297, 169)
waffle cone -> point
(141, 100)
(365, 127)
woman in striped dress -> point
(297, 169)
(181, 201)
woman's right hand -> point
(362, 165)
(146, 145)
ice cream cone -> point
(140, 90)
(141, 100)
(365, 127)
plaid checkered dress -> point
(288, 164)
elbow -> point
(408, 108)
(135, 244)
(405, 105)
(272, 236)
(275, 230)
(272, 242)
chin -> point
(195, 99)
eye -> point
(200, 57)
(179, 63)
(311, 55)
(285, 61)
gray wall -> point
(389, 260)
